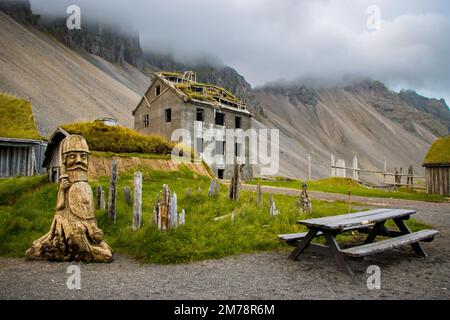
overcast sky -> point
(269, 40)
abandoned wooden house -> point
(437, 167)
(177, 101)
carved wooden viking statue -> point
(74, 234)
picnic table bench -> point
(370, 222)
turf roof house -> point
(21, 145)
(174, 101)
(437, 167)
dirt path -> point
(268, 275)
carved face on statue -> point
(76, 160)
(75, 156)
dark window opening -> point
(220, 147)
(220, 118)
(158, 90)
(220, 173)
(146, 120)
(237, 122)
(199, 145)
(168, 115)
(237, 149)
(200, 113)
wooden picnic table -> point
(370, 222)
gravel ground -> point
(267, 275)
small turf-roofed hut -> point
(437, 166)
(21, 146)
(102, 137)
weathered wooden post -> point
(127, 195)
(164, 208)
(410, 181)
(349, 201)
(137, 208)
(182, 218)
(101, 204)
(213, 188)
(309, 167)
(112, 197)
(355, 168)
(333, 164)
(384, 170)
(400, 176)
(341, 171)
(304, 202)
(173, 214)
(259, 198)
(235, 182)
(273, 208)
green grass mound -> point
(16, 117)
(118, 139)
(439, 152)
(252, 230)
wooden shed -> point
(21, 157)
(437, 166)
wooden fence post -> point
(112, 197)
(173, 214)
(273, 208)
(137, 209)
(235, 182)
(164, 208)
(384, 170)
(259, 199)
(127, 195)
(101, 204)
(333, 164)
(355, 168)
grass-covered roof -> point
(16, 118)
(439, 152)
(202, 91)
(118, 139)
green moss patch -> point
(118, 139)
(16, 118)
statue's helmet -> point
(74, 142)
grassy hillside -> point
(344, 185)
(16, 118)
(118, 139)
(29, 216)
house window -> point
(220, 148)
(237, 122)
(146, 120)
(237, 149)
(199, 145)
(168, 115)
(220, 173)
(158, 90)
(220, 118)
(200, 115)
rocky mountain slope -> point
(71, 76)
(62, 85)
(344, 122)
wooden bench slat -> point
(295, 236)
(389, 244)
(330, 219)
(360, 221)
